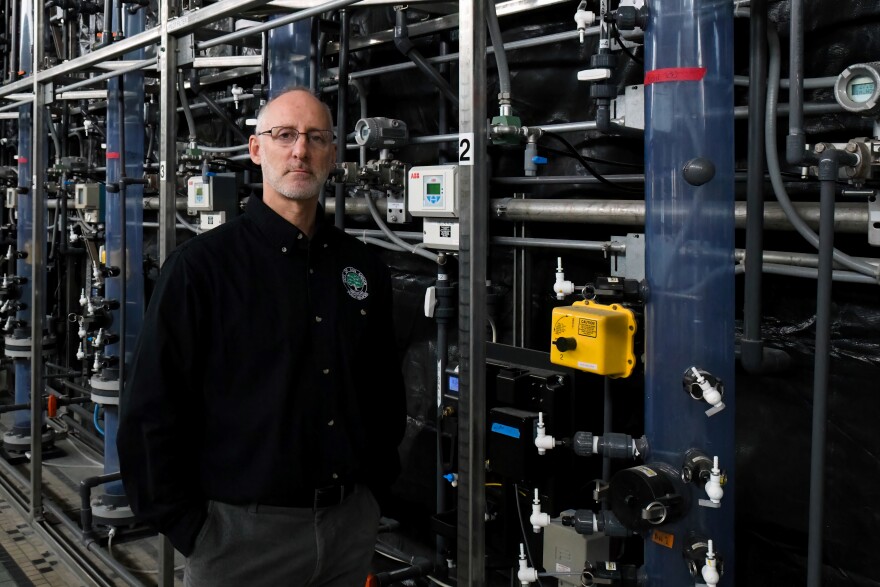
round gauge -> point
(857, 89)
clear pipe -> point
(289, 51)
(24, 267)
(689, 230)
(128, 127)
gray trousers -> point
(265, 546)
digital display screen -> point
(861, 89)
(433, 189)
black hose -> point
(828, 170)
(184, 103)
(498, 46)
(223, 116)
(753, 356)
(405, 46)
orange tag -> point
(662, 538)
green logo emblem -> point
(355, 283)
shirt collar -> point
(281, 233)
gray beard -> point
(292, 193)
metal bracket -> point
(631, 263)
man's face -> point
(296, 171)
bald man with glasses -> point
(265, 402)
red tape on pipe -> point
(675, 74)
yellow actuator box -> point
(595, 338)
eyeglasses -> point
(287, 136)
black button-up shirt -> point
(266, 366)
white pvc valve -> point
(594, 75)
(97, 364)
(711, 395)
(562, 287)
(538, 519)
(9, 254)
(583, 18)
(430, 301)
(526, 574)
(83, 300)
(710, 571)
(99, 340)
(5, 280)
(82, 330)
(713, 486)
(237, 91)
(80, 353)
(542, 440)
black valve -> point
(565, 343)
(110, 271)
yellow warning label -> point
(588, 327)
(662, 538)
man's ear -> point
(254, 149)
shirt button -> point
(335, 476)
(299, 236)
(363, 312)
(311, 270)
(326, 245)
(283, 249)
(326, 371)
(317, 318)
(330, 423)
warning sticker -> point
(588, 327)
(662, 538)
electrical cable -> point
(566, 153)
(523, 530)
(574, 152)
(623, 47)
(190, 227)
(393, 237)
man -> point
(265, 403)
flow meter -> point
(857, 88)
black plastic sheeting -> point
(774, 412)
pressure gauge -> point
(857, 89)
(380, 133)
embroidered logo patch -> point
(355, 283)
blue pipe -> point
(689, 231)
(132, 155)
(25, 232)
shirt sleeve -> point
(160, 421)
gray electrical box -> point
(566, 551)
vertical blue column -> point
(132, 154)
(25, 225)
(689, 260)
(289, 56)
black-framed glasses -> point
(287, 136)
